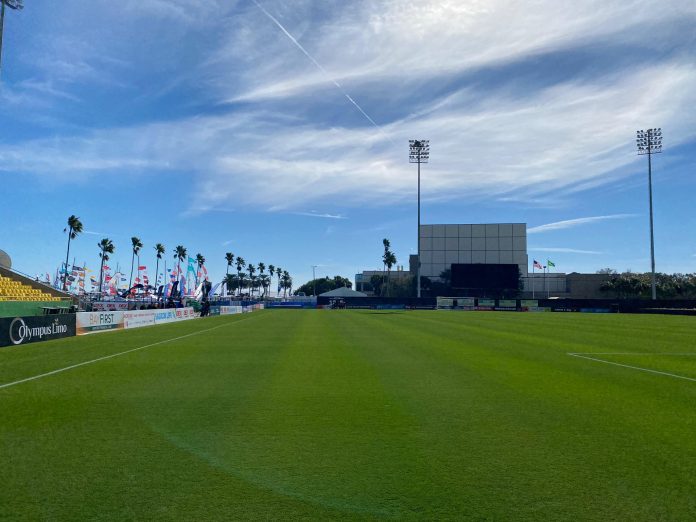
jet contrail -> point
(311, 58)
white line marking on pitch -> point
(53, 372)
(583, 356)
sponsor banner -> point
(88, 322)
(538, 309)
(595, 310)
(507, 304)
(229, 310)
(467, 303)
(486, 304)
(24, 330)
(138, 318)
(529, 303)
(214, 310)
(171, 315)
(110, 306)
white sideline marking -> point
(53, 372)
(584, 356)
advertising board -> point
(15, 331)
(110, 306)
(507, 304)
(88, 322)
(138, 318)
(486, 304)
(229, 310)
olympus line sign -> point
(20, 332)
(24, 330)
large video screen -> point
(485, 277)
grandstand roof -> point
(343, 292)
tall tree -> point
(73, 229)
(387, 245)
(230, 281)
(137, 245)
(262, 268)
(265, 281)
(240, 266)
(389, 261)
(271, 273)
(106, 247)
(229, 257)
(287, 283)
(180, 255)
(159, 249)
(279, 273)
(252, 270)
(200, 261)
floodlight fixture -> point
(649, 142)
(418, 152)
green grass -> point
(356, 414)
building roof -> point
(343, 292)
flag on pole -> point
(537, 265)
(142, 267)
(550, 263)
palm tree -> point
(389, 261)
(265, 283)
(73, 229)
(200, 261)
(159, 248)
(262, 267)
(106, 247)
(229, 257)
(286, 282)
(137, 245)
(252, 270)
(240, 266)
(279, 273)
(271, 272)
(230, 281)
(179, 254)
(386, 244)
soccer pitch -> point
(355, 414)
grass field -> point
(356, 414)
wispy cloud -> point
(571, 223)
(315, 214)
(564, 250)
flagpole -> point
(533, 295)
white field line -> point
(648, 370)
(60, 370)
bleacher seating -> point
(11, 290)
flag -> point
(141, 268)
(550, 263)
(106, 268)
(538, 265)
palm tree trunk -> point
(101, 275)
(157, 275)
(130, 281)
(67, 255)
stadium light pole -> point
(418, 152)
(649, 142)
(314, 279)
(12, 4)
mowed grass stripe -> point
(27, 361)
(351, 414)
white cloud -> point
(571, 223)
(563, 250)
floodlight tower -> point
(418, 152)
(650, 142)
(12, 4)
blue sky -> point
(278, 130)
